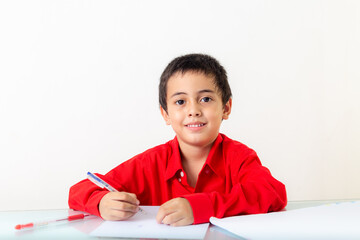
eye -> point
(205, 99)
(179, 102)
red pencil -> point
(38, 224)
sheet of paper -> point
(332, 221)
(145, 226)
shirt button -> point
(207, 171)
(181, 174)
(179, 179)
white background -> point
(78, 88)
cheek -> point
(215, 114)
(175, 116)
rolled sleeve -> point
(201, 206)
(85, 197)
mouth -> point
(195, 125)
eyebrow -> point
(201, 91)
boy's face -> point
(194, 108)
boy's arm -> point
(255, 191)
(85, 196)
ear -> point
(165, 115)
(227, 109)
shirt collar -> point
(214, 159)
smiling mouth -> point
(195, 125)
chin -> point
(200, 142)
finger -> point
(126, 197)
(172, 218)
(160, 216)
(116, 215)
(182, 222)
(124, 206)
(164, 210)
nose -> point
(194, 110)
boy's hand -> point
(175, 212)
(118, 206)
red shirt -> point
(231, 182)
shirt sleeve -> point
(85, 195)
(254, 190)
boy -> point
(200, 173)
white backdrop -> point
(78, 88)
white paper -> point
(145, 226)
(331, 221)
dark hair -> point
(199, 63)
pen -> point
(101, 183)
(43, 223)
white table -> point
(81, 229)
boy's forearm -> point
(248, 198)
(85, 196)
(202, 207)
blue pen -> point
(101, 183)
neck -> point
(194, 154)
